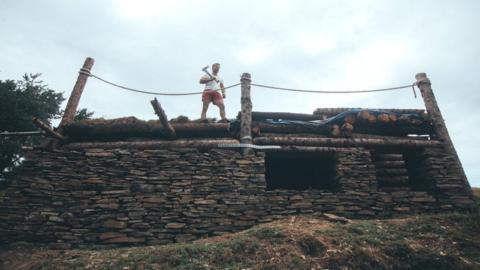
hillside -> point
(419, 242)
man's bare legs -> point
(221, 107)
(204, 110)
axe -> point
(205, 69)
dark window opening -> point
(300, 171)
(416, 165)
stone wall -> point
(128, 196)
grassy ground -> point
(424, 242)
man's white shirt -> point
(212, 85)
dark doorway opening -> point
(300, 171)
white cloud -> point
(316, 43)
(373, 63)
(254, 51)
(147, 9)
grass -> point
(421, 242)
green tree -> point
(19, 102)
(83, 114)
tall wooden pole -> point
(425, 86)
(246, 117)
(77, 91)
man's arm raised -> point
(205, 79)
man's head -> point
(215, 68)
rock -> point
(124, 240)
(175, 225)
(109, 235)
(154, 200)
(204, 201)
(114, 224)
(55, 219)
(335, 218)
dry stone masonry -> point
(159, 196)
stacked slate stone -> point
(134, 197)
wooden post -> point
(425, 86)
(47, 129)
(163, 118)
(246, 117)
(77, 91)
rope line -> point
(338, 92)
(88, 73)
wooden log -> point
(425, 86)
(258, 116)
(347, 129)
(153, 144)
(246, 116)
(329, 112)
(393, 130)
(74, 99)
(134, 128)
(288, 129)
(303, 149)
(48, 130)
(163, 118)
(360, 127)
(346, 142)
(195, 130)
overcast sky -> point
(328, 45)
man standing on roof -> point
(211, 94)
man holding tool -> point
(212, 84)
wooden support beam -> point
(191, 130)
(345, 142)
(246, 110)
(425, 86)
(48, 129)
(163, 118)
(258, 116)
(72, 104)
(329, 112)
(303, 149)
(157, 144)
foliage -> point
(19, 102)
(83, 114)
